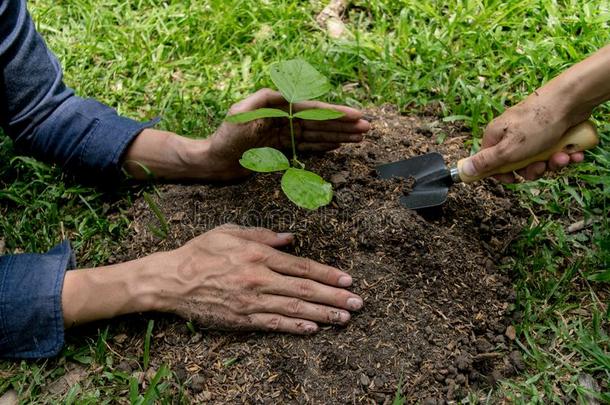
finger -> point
(558, 161)
(350, 114)
(300, 309)
(330, 137)
(577, 157)
(494, 133)
(533, 171)
(485, 161)
(317, 147)
(356, 127)
(280, 323)
(262, 98)
(260, 235)
(505, 178)
(302, 267)
(312, 291)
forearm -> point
(107, 292)
(165, 155)
(580, 89)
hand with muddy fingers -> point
(540, 121)
(230, 141)
(234, 278)
(521, 132)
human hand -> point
(230, 141)
(233, 278)
(530, 127)
(166, 155)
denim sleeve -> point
(43, 116)
(31, 319)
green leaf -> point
(264, 160)
(298, 81)
(255, 115)
(306, 189)
(603, 276)
(147, 337)
(455, 118)
(319, 114)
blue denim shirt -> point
(47, 120)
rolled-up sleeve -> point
(43, 116)
(47, 120)
(31, 319)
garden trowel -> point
(433, 179)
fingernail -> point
(311, 328)
(468, 168)
(284, 235)
(354, 303)
(344, 281)
(339, 317)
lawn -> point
(188, 61)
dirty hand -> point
(230, 141)
(228, 278)
(165, 155)
(538, 122)
(233, 278)
(523, 131)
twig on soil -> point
(457, 139)
(535, 220)
(486, 356)
(330, 18)
(580, 225)
(109, 347)
(381, 280)
(441, 314)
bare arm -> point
(227, 278)
(539, 121)
(170, 156)
(586, 86)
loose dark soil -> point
(436, 302)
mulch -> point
(437, 301)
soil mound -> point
(436, 304)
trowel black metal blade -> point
(432, 179)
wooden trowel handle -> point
(578, 139)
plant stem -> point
(294, 147)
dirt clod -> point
(365, 380)
(434, 298)
(197, 383)
(120, 338)
(125, 367)
(517, 360)
(339, 179)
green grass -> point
(187, 61)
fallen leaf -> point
(588, 382)
(66, 381)
(511, 333)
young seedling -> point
(298, 81)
